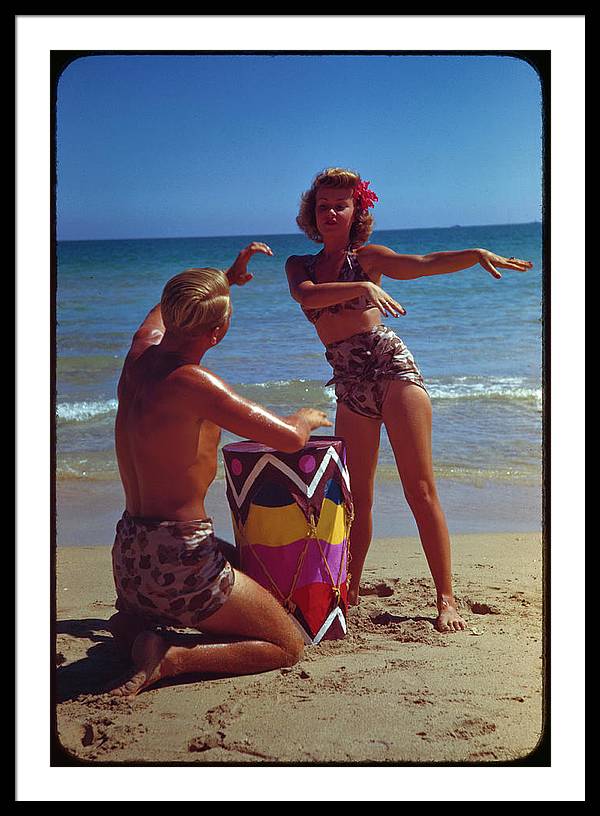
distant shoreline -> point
(86, 511)
(291, 234)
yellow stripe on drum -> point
(332, 522)
(279, 526)
(274, 526)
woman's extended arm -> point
(382, 260)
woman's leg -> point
(407, 418)
(361, 435)
(257, 635)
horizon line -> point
(299, 233)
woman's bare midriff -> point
(334, 327)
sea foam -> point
(85, 411)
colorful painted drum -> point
(291, 515)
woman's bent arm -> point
(318, 295)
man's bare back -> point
(167, 452)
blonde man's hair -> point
(362, 226)
(195, 301)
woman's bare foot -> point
(449, 619)
(147, 654)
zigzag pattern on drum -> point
(242, 495)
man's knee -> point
(294, 650)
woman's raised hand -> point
(386, 304)
(489, 261)
(238, 272)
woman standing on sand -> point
(375, 376)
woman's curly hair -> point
(334, 177)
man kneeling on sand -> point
(168, 567)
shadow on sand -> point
(91, 674)
(104, 664)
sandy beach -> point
(393, 691)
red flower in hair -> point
(364, 197)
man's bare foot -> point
(125, 628)
(147, 654)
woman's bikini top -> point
(350, 272)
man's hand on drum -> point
(315, 418)
(238, 271)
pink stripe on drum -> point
(281, 563)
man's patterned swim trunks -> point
(171, 573)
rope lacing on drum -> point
(286, 600)
(335, 585)
(311, 533)
(349, 513)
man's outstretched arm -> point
(218, 402)
(238, 271)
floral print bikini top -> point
(350, 272)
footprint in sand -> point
(409, 630)
(383, 589)
(200, 744)
(105, 735)
(470, 728)
(482, 608)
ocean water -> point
(478, 342)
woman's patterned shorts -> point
(365, 364)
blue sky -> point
(198, 145)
